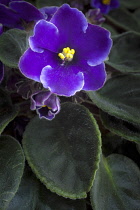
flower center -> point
(46, 106)
(67, 54)
(106, 2)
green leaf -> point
(127, 130)
(7, 111)
(124, 19)
(125, 53)
(120, 97)
(33, 195)
(116, 185)
(13, 43)
(130, 4)
(137, 13)
(64, 153)
(11, 169)
(110, 28)
(46, 3)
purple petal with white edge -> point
(46, 104)
(32, 63)
(45, 37)
(94, 77)
(27, 11)
(53, 102)
(44, 112)
(39, 98)
(9, 18)
(1, 71)
(48, 12)
(62, 80)
(94, 46)
(70, 23)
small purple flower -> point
(105, 5)
(66, 54)
(46, 104)
(95, 16)
(48, 12)
(12, 13)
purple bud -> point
(95, 16)
(46, 104)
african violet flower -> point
(46, 104)
(95, 16)
(105, 5)
(13, 12)
(66, 54)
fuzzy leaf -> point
(127, 130)
(124, 19)
(125, 53)
(120, 97)
(33, 195)
(64, 153)
(116, 185)
(13, 43)
(11, 169)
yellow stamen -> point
(106, 2)
(67, 54)
(46, 106)
(61, 55)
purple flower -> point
(13, 16)
(95, 16)
(105, 5)
(66, 54)
(46, 104)
(48, 12)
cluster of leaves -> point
(88, 156)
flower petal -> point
(70, 23)
(62, 80)
(94, 46)
(94, 77)
(45, 37)
(32, 63)
(38, 99)
(9, 18)
(48, 12)
(26, 11)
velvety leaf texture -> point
(64, 153)
(130, 4)
(124, 19)
(43, 3)
(120, 127)
(127, 42)
(7, 111)
(11, 169)
(125, 103)
(13, 44)
(33, 195)
(117, 184)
